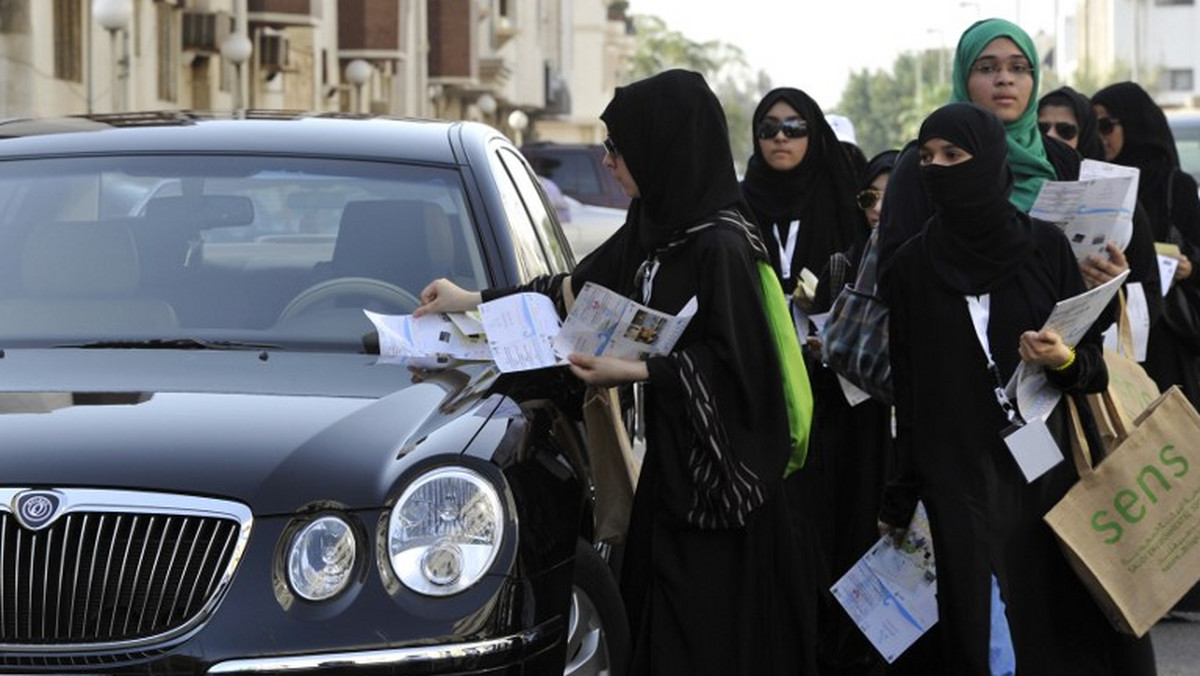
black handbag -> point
(854, 340)
(1181, 305)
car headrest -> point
(406, 242)
(80, 259)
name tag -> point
(1033, 447)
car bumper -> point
(502, 655)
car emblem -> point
(37, 509)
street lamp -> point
(113, 16)
(357, 73)
(237, 49)
(486, 103)
(518, 121)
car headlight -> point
(321, 558)
(445, 531)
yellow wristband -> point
(1067, 364)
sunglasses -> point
(792, 128)
(868, 199)
(1065, 130)
(1107, 124)
(611, 148)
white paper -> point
(1094, 210)
(854, 395)
(818, 321)
(1034, 449)
(1166, 271)
(520, 330)
(432, 339)
(1070, 319)
(1138, 312)
(891, 593)
(605, 323)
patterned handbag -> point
(854, 340)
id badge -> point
(1033, 447)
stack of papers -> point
(523, 332)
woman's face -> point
(1114, 138)
(1055, 120)
(943, 153)
(873, 196)
(1001, 80)
(782, 150)
(616, 164)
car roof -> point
(257, 132)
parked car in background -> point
(208, 468)
(1185, 127)
(578, 170)
(587, 225)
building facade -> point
(532, 68)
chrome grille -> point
(114, 569)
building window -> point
(167, 28)
(68, 40)
(1178, 79)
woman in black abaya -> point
(985, 519)
(708, 575)
(1136, 134)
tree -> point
(658, 48)
(887, 107)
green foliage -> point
(887, 107)
(724, 66)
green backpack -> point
(797, 393)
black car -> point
(208, 468)
(578, 170)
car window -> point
(1187, 140)
(574, 172)
(539, 214)
(224, 247)
(531, 259)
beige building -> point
(533, 68)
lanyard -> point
(645, 277)
(786, 251)
(980, 309)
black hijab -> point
(1149, 146)
(883, 163)
(819, 191)
(976, 238)
(1088, 143)
(670, 129)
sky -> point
(814, 45)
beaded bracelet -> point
(1067, 364)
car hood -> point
(279, 442)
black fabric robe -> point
(983, 514)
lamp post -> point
(518, 121)
(113, 16)
(237, 49)
(358, 72)
(486, 103)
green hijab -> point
(1026, 154)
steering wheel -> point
(337, 287)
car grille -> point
(114, 569)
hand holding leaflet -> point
(605, 323)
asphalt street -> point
(1177, 644)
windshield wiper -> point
(173, 344)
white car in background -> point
(1185, 127)
(587, 225)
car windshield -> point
(208, 250)
(1187, 142)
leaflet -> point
(431, 337)
(520, 331)
(1094, 210)
(1070, 319)
(891, 592)
(605, 323)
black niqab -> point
(1149, 146)
(819, 191)
(659, 125)
(1088, 142)
(976, 238)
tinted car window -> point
(220, 246)
(574, 172)
(526, 247)
(536, 208)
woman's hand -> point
(607, 371)
(443, 295)
(1044, 348)
(1184, 270)
(1096, 270)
